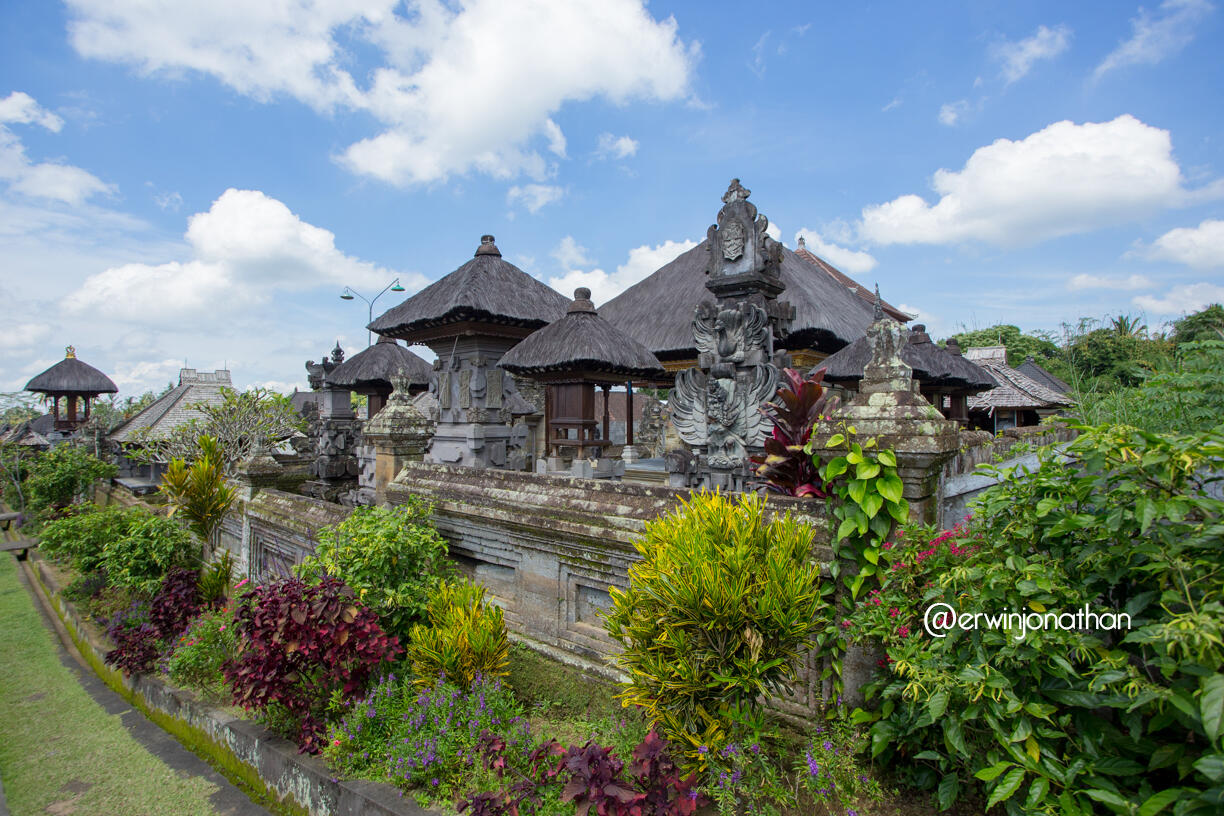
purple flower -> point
(828, 746)
(701, 749)
(434, 781)
(813, 768)
(692, 795)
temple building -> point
(944, 377)
(369, 373)
(470, 318)
(74, 382)
(1016, 400)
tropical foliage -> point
(786, 466)
(462, 640)
(715, 616)
(198, 492)
(60, 476)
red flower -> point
(903, 631)
(845, 624)
(892, 613)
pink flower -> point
(892, 613)
(845, 624)
(222, 627)
(903, 631)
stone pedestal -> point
(398, 434)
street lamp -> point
(350, 294)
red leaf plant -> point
(800, 403)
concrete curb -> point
(260, 758)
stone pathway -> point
(141, 769)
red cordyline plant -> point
(299, 644)
(800, 402)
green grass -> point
(60, 752)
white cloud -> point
(242, 249)
(773, 231)
(168, 201)
(850, 261)
(1061, 180)
(1018, 57)
(21, 109)
(642, 261)
(1084, 281)
(1201, 247)
(570, 254)
(895, 103)
(757, 66)
(1182, 299)
(951, 113)
(615, 147)
(457, 88)
(1155, 38)
(534, 196)
(50, 181)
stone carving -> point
(715, 407)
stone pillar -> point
(251, 476)
(400, 433)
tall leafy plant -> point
(715, 616)
(198, 492)
(786, 466)
(61, 475)
(463, 640)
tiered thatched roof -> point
(658, 311)
(485, 290)
(71, 376)
(933, 366)
(1013, 389)
(586, 346)
(1030, 369)
(373, 368)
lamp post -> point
(350, 294)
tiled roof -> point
(1030, 368)
(1015, 389)
(175, 406)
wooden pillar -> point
(629, 412)
(56, 403)
(607, 434)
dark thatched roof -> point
(71, 376)
(583, 343)
(486, 289)
(933, 366)
(1013, 389)
(1030, 368)
(658, 311)
(860, 291)
(374, 367)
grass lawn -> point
(60, 752)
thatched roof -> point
(374, 367)
(486, 289)
(860, 291)
(1013, 389)
(658, 311)
(1030, 369)
(176, 406)
(583, 343)
(71, 376)
(933, 366)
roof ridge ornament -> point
(582, 302)
(879, 304)
(70, 352)
(736, 192)
(487, 247)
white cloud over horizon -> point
(1061, 180)
(1085, 281)
(850, 261)
(1157, 37)
(1200, 247)
(1182, 299)
(49, 181)
(457, 89)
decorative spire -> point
(337, 354)
(69, 352)
(487, 246)
(736, 192)
(582, 302)
(802, 243)
(879, 305)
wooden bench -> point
(8, 518)
(21, 547)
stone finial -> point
(802, 243)
(69, 352)
(954, 347)
(879, 304)
(582, 302)
(736, 192)
(487, 246)
(337, 354)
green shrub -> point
(215, 578)
(80, 537)
(716, 615)
(198, 492)
(1069, 720)
(393, 559)
(463, 640)
(59, 476)
(151, 547)
(201, 651)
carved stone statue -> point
(715, 407)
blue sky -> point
(195, 182)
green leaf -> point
(836, 468)
(1211, 766)
(845, 528)
(931, 755)
(937, 704)
(890, 487)
(1211, 703)
(1004, 790)
(987, 774)
(867, 469)
(887, 458)
(1159, 801)
(835, 440)
(1108, 798)
(949, 788)
(1037, 793)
